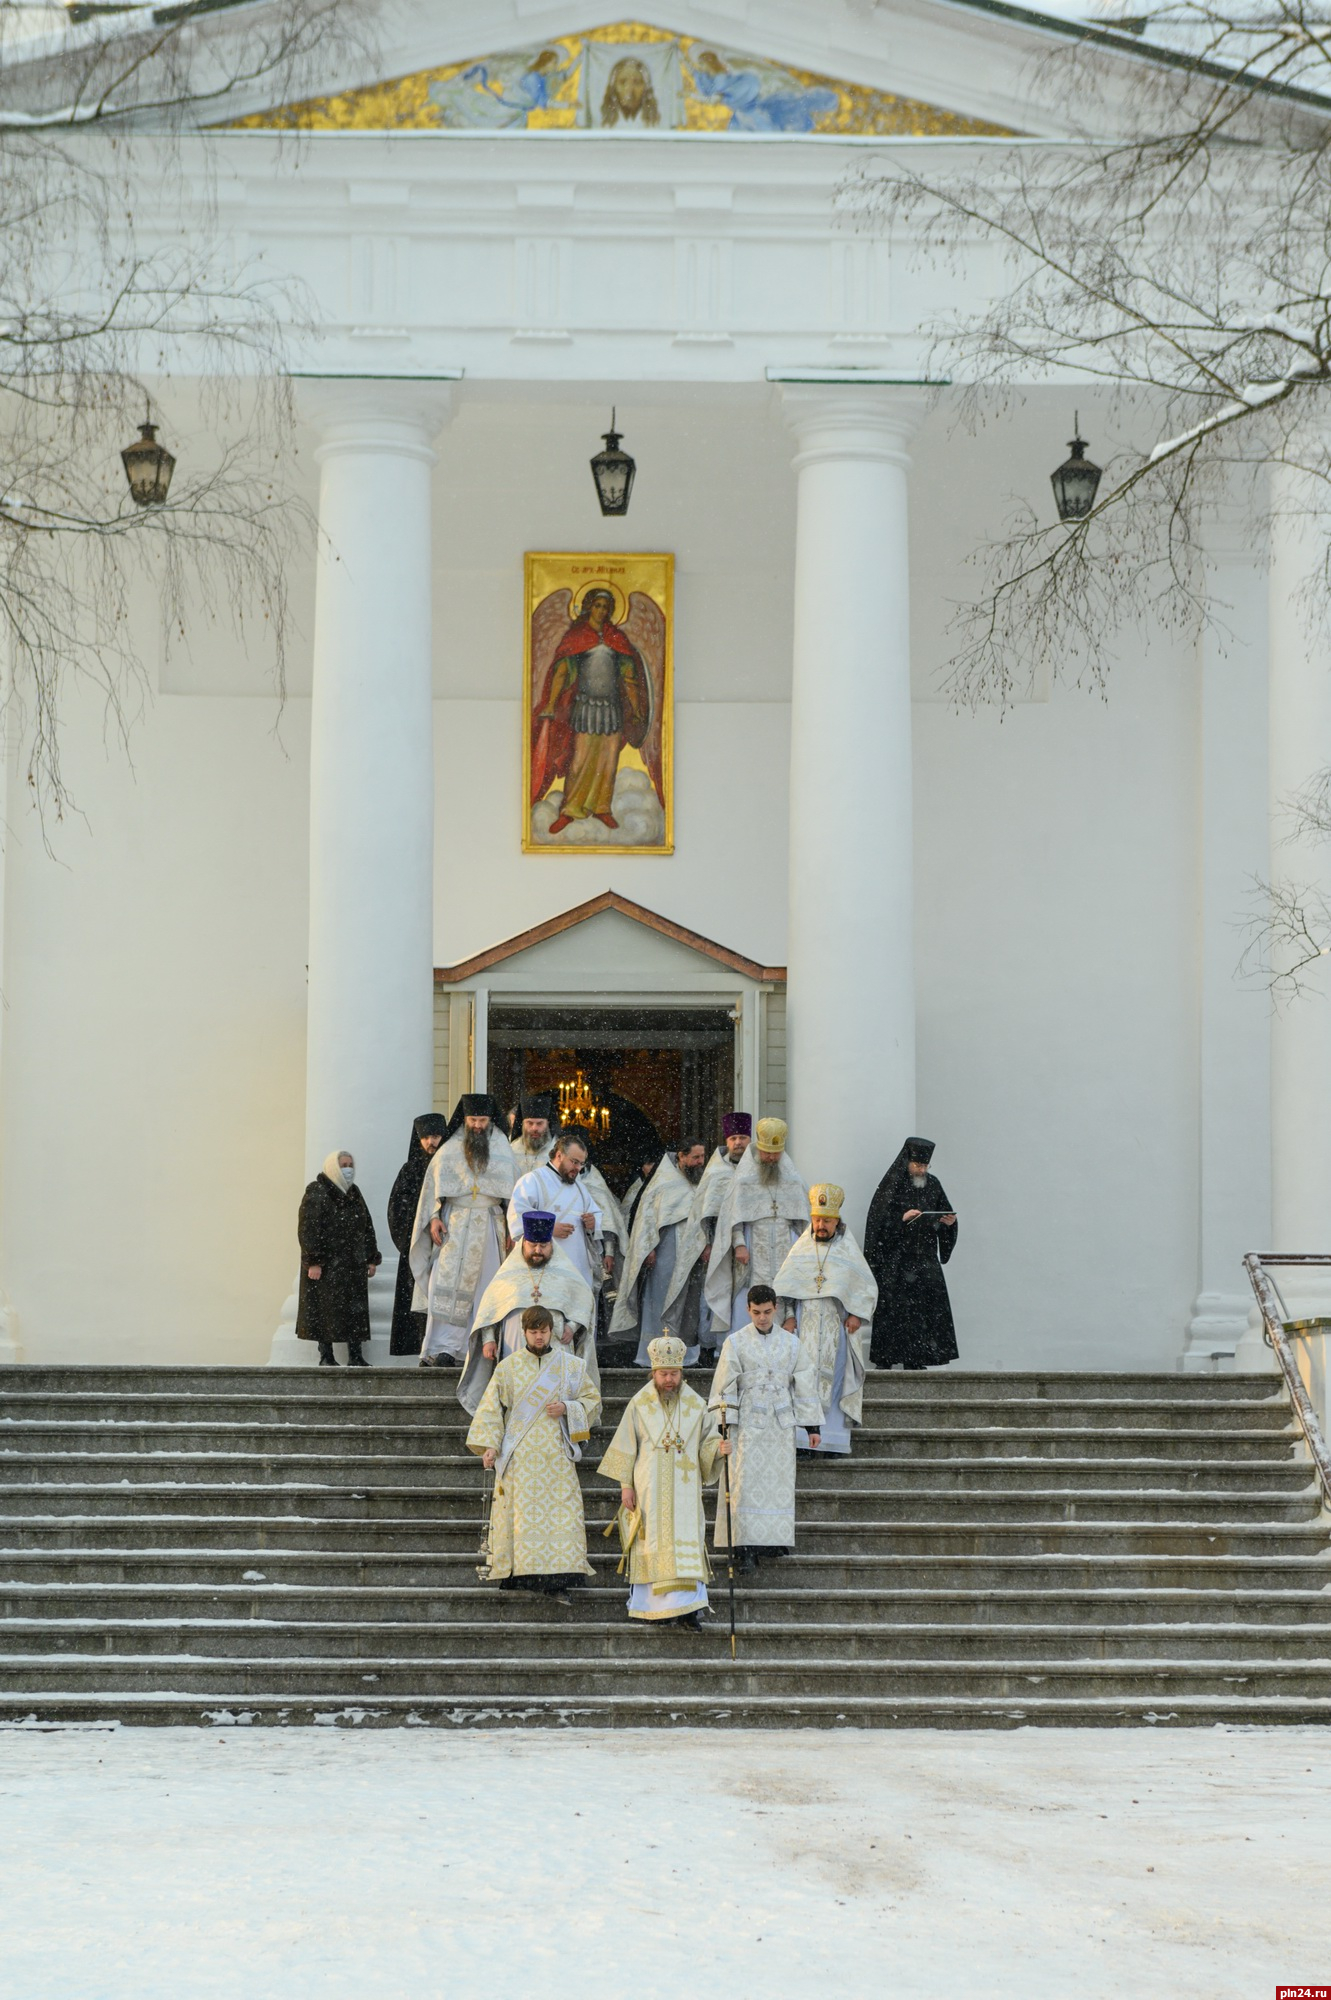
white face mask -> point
(348, 1177)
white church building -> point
(275, 929)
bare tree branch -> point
(104, 293)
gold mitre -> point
(770, 1135)
(825, 1199)
(665, 1351)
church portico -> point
(1020, 940)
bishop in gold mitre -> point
(830, 1295)
(763, 1211)
(667, 1448)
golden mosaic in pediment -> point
(626, 77)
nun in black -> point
(338, 1257)
(907, 1240)
(427, 1135)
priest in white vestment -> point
(530, 1428)
(648, 1275)
(533, 1131)
(833, 1295)
(460, 1239)
(557, 1188)
(765, 1208)
(667, 1448)
(536, 1272)
(765, 1387)
(687, 1312)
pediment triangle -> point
(626, 77)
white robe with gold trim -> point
(666, 1451)
(827, 1283)
(765, 1217)
(560, 1287)
(536, 1519)
(451, 1279)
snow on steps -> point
(237, 1545)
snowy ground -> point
(247, 1864)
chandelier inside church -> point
(578, 1106)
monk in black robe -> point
(910, 1234)
(427, 1135)
(338, 1257)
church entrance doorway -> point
(634, 1078)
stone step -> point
(1237, 1493)
(1071, 1568)
(760, 1600)
(369, 1384)
(421, 1402)
(702, 1665)
(536, 1710)
(428, 1429)
(370, 1468)
(1127, 1533)
(437, 1519)
(619, 1638)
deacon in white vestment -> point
(667, 1448)
(648, 1277)
(530, 1427)
(687, 1312)
(765, 1386)
(557, 1188)
(459, 1239)
(833, 1293)
(536, 1272)
(764, 1209)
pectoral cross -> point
(819, 1281)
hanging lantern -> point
(1075, 481)
(613, 471)
(148, 468)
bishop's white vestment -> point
(665, 1449)
(567, 1201)
(557, 1285)
(766, 1384)
(828, 1283)
(763, 1216)
(536, 1520)
(470, 1203)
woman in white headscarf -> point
(338, 1257)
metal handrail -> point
(1279, 1326)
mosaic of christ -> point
(598, 720)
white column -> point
(1234, 1181)
(851, 993)
(1300, 749)
(369, 1059)
(11, 1349)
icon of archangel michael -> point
(598, 690)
